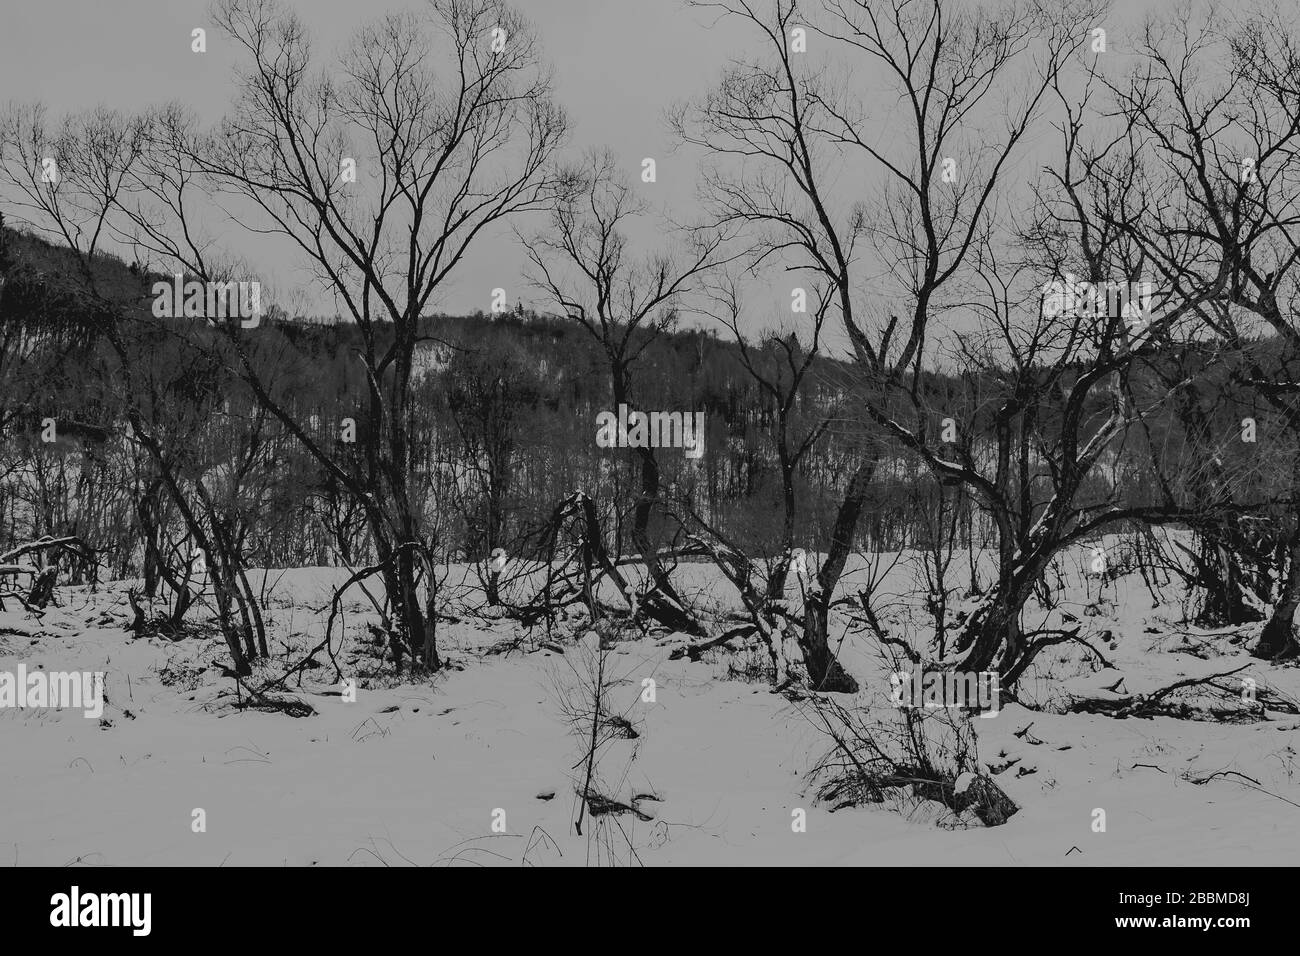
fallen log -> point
(40, 591)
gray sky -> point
(618, 64)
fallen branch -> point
(1150, 705)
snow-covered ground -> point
(478, 766)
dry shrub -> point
(911, 756)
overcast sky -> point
(618, 65)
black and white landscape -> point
(637, 434)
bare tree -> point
(583, 265)
(779, 365)
(72, 180)
(382, 172)
(1215, 102)
(781, 132)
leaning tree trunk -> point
(992, 629)
(42, 590)
(170, 480)
(991, 637)
(824, 671)
(1278, 639)
(259, 625)
(663, 603)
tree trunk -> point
(991, 635)
(1278, 639)
(1221, 581)
(259, 626)
(824, 671)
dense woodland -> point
(504, 426)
